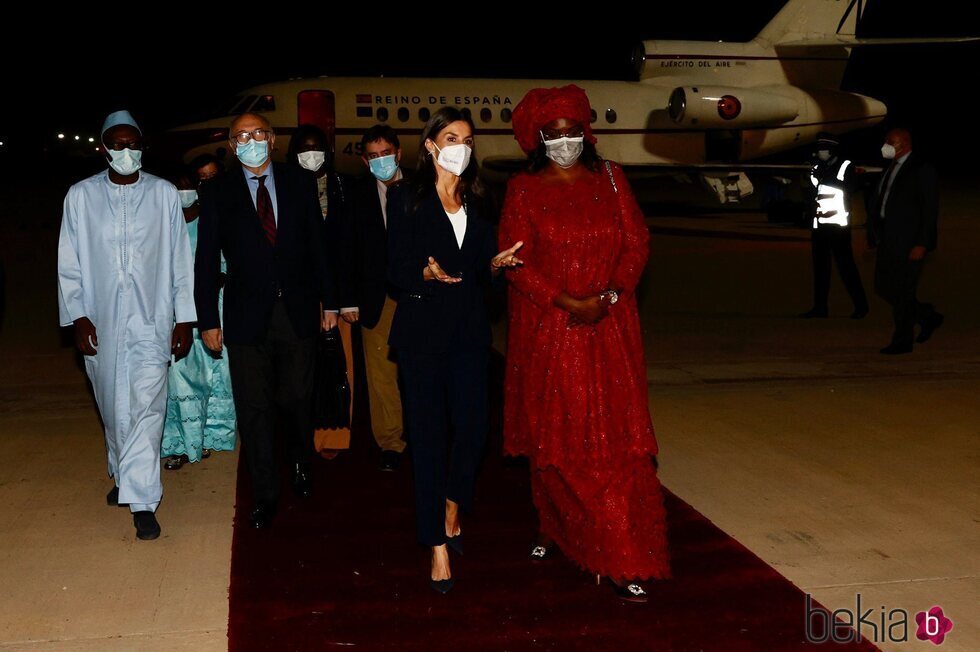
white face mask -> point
(888, 151)
(454, 158)
(565, 150)
(187, 198)
(127, 161)
(312, 161)
(823, 155)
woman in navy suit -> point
(442, 259)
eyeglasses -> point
(243, 137)
(570, 132)
(119, 146)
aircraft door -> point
(318, 108)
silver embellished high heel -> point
(632, 592)
(541, 553)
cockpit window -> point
(242, 104)
(264, 103)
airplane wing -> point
(851, 41)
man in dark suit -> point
(265, 218)
(902, 224)
(365, 294)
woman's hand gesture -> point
(506, 258)
(434, 272)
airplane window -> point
(486, 115)
(505, 114)
(595, 116)
(382, 114)
(469, 114)
(610, 115)
(265, 103)
(242, 105)
(424, 114)
(403, 114)
(229, 107)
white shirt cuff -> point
(344, 311)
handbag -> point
(331, 390)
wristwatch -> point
(612, 295)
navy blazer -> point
(436, 317)
(257, 272)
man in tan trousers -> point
(364, 291)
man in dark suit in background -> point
(902, 224)
(279, 293)
(365, 296)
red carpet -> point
(343, 569)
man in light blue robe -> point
(125, 280)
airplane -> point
(705, 107)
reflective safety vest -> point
(831, 199)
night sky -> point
(172, 70)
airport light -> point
(78, 137)
(91, 140)
(61, 136)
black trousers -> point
(833, 241)
(273, 376)
(442, 390)
(896, 281)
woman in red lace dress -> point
(576, 389)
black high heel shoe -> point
(456, 543)
(442, 586)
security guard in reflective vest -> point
(831, 178)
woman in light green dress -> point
(200, 410)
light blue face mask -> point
(254, 153)
(127, 161)
(187, 198)
(383, 167)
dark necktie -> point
(884, 186)
(263, 206)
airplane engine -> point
(718, 107)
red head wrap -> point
(543, 105)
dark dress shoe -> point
(860, 312)
(897, 349)
(112, 498)
(814, 313)
(929, 326)
(455, 543)
(146, 524)
(261, 517)
(302, 481)
(390, 460)
(442, 586)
